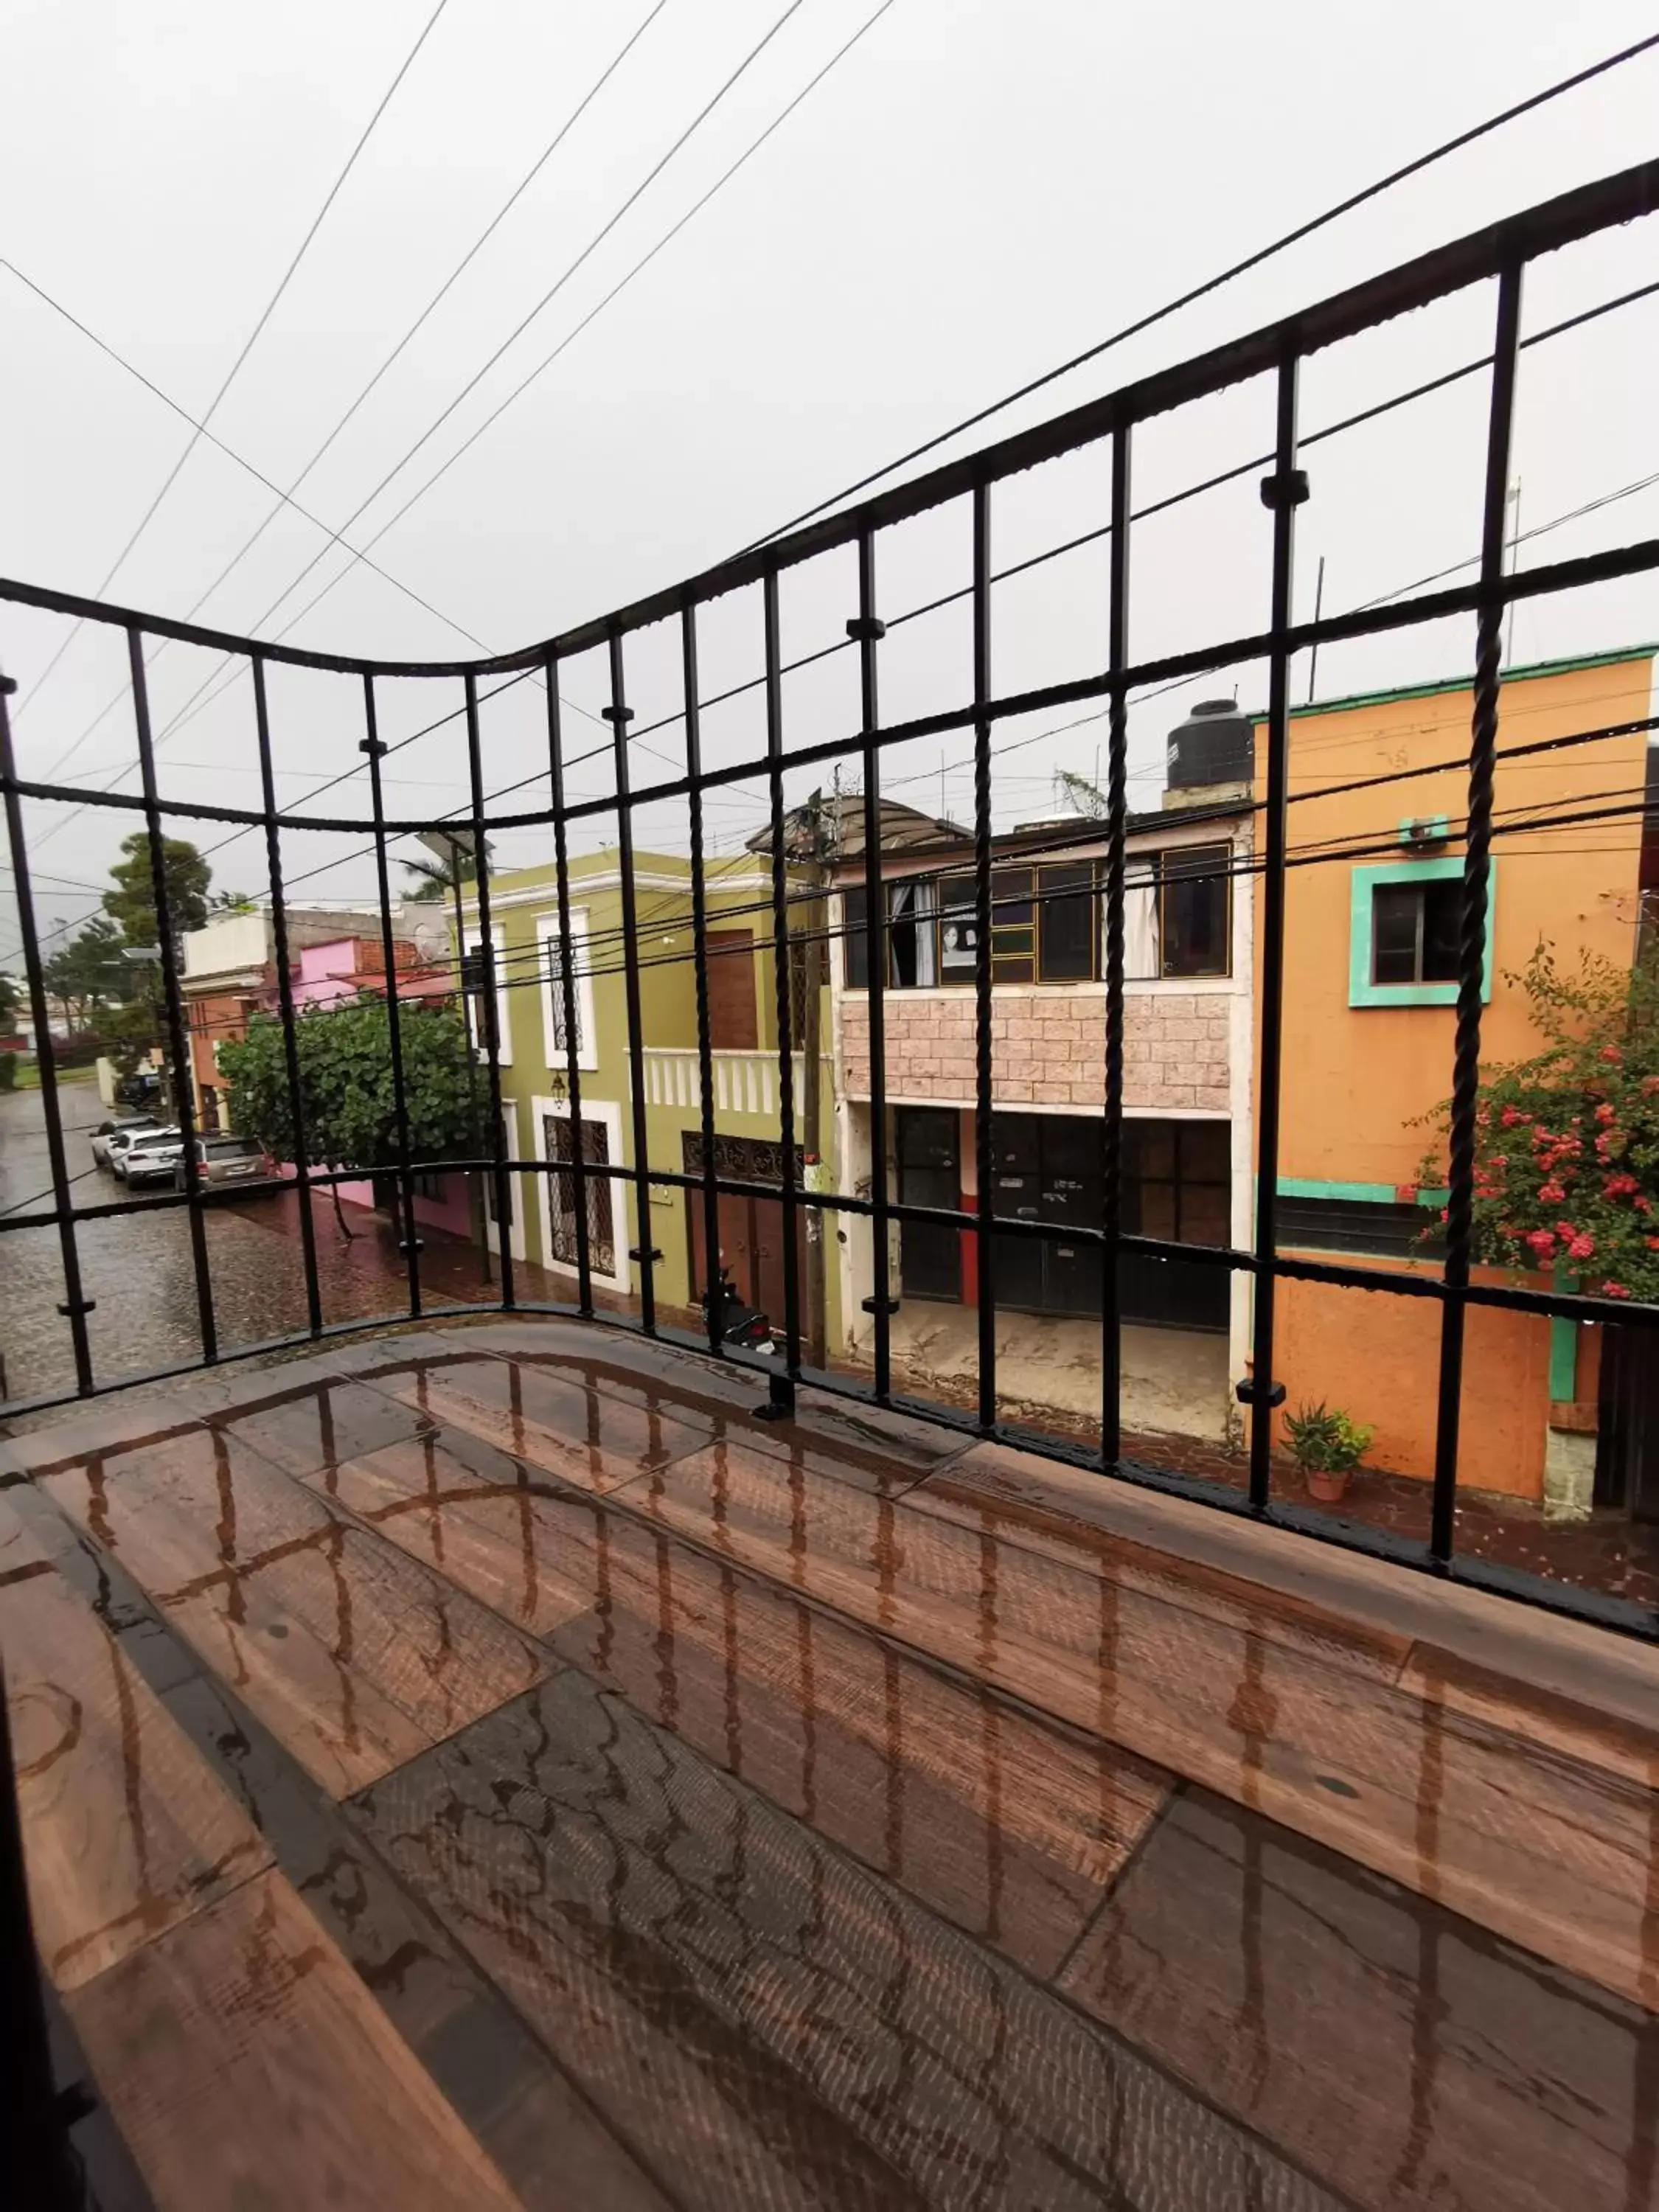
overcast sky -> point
(974, 192)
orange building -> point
(1378, 794)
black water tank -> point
(1213, 745)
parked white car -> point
(150, 1157)
(126, 1126)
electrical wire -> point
(249, 343)
(1171, 499)
(241, 462)
(1523, 816)
(190, 706)
(1240, 867)
(197, 702)
(286, 498)
(1226, 276)
(1070, 545)
(548, 295)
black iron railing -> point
(1498, 255)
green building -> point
(743, 1029)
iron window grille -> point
(1498, 255)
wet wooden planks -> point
(128, 1832)
(247, 2066)
(766, 2021)
(1404, 2055)
(353, 1657)
(1029, 1511)
(594, 1438)
(1557, 1856)
(319, 1423)
(1009, 1827)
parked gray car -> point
(229, 1160)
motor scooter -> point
(739, 1324)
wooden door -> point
(733, 1025)
(561, 1190)
(927, 1145)
(1627, 1425)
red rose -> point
(1612, 1054)
(1612, 1289)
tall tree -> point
(346, 1089)
(432, 880)
(10, 1000)
(88, 972)
(130, 902)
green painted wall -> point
(736, 891)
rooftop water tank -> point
(1212, 746)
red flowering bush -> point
(1567, 1170)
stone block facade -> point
(1047, 1048)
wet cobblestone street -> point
(139, 1272)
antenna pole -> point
(1313, 654)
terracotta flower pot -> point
(1328, 1486)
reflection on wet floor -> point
(842, 1818)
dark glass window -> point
(958, 930)
(1065, 924)
(855, 944)
(1415, 931)
(913, 933)
(1193, 910)
(1331, 1224)
(1014, 932)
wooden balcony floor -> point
(489, 1766)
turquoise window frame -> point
(1362, 991)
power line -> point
(552, 291)
(186, 712)
(286, 498)
(1216, 483)
(249, 343)
(1185, 682)
(241, 462)
(197, 700)
(466, 261)
(1215, 283)
(696, 208)
(1239, 867)
(1070, 837)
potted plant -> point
(1327, 1447)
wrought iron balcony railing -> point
(847, 549)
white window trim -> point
(547, 933)
(621, 1191)
(515, 1243)
(472, 941)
